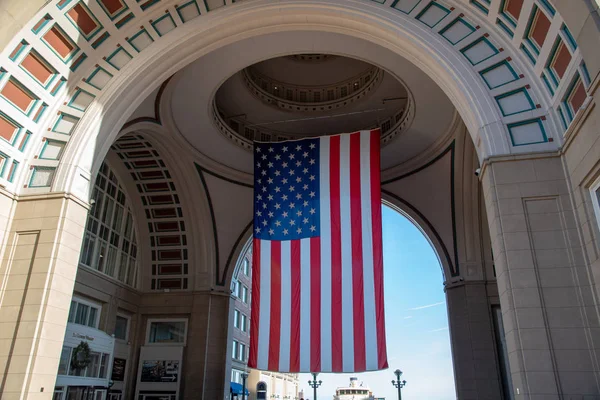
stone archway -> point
(120, 67)
(461, 46)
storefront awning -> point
(236, 388)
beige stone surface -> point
(542, 284)
(35, 296)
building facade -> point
(126, 179)
(277, 384)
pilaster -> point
(206, 371)
(472, 338)
(37, 275)
(546, 292)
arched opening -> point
(418, 326)
(417, 323)
(134, 84)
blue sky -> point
(418, 341)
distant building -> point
(283, 385)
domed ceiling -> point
(232, 96)
(310, 95)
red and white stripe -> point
(318, 303)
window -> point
(121, 327)
(244, 295)
(166, 332)
(109, 244)
(84, 313)
(595, 192)
(242, 352)
(246, 267)
(234, 350)
(96, 369)
(244, 324)
(63, 364)
(103, 366)
(236, 376)
(236, 319)
(59, 393)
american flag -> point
(317, 281)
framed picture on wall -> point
(118, 369)
(160, 371)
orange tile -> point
(513, 7)
(540, 28)
(562, 60)
(17, 95)
(59, 42)
(7, 129)
(83, 19)
(37, 68)
(578, 97)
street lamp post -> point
(244, 377)
(314, 384)
(398, 383)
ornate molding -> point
(243, 132)
(312, 57)
(322, 98)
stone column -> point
(548, 305)
(473, 345)
(208, 359)
(37, 275)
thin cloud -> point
(427, 306)
(408, 317)
(439, 329)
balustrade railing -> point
(310, 99)
(243, 132)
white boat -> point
(354, 391)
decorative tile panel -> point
(406, 6)
(84, 20)
(164, 24)
(482, 5)
(113, 8)
(457, 30)
(527, 132)
(65, 124)
(433, 14)
(60, 43)
(536, 32)
(19, 96)
(9, 129)
(99, 78)
(52, 150)
(81, 100)
(511, 9)
(38, 68)
(145, 4)
(119, 58)
(574, 98)
(480, 50)
(515, 102)
(214, 4)
(188, 11)
(41, 177)
(140, 40)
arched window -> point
(109, 244)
